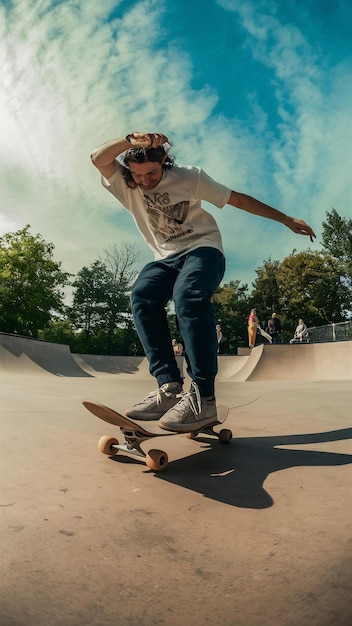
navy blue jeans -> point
(190, 280)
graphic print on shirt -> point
(166, 220)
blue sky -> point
(257, 92)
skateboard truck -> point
(154, 459)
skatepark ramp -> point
(98, 365)
(32, 357)
(322, 361)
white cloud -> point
(311, 143)
(71, 80)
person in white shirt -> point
(165, 201)
(218, 335)
(301, 333)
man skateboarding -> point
(165, 201)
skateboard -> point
(135, 432)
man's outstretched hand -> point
(300, 227)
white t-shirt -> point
(170, 216)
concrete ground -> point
(254, 533)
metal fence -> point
(331, 332)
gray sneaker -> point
(156, 403)
(192, 412)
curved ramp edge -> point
(32, 357)
(308, 362)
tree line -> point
(313, 285)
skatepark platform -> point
(254, 533)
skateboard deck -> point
(135, 432)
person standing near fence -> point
(218, 335)
(274, 328)
(301, 333)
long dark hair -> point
(143, 155)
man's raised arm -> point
(252, 205)
(104, 156)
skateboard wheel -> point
(225, 435)
(106, 443)
(192, 435)
(156, 460)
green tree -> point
(231, 311)
(89, 286)
(265, 295)
(31, 283)
(101, 301)
(121, 263)
(337, 240)
(59, 331)
(310, 287)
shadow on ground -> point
(235, 474)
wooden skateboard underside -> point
(135, 432)
(147, 428)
